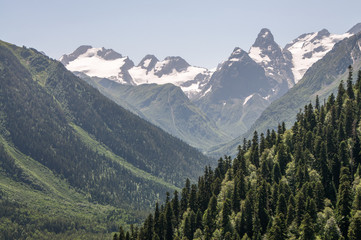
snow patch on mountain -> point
(141, 76)
(247, 98)
(256, 54)
(94, 65)
(309, 48)
(104, 63)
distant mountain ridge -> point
(234, 94)
(321, 79)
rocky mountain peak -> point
(264, 38)
(169, 64)
(65, 59)
(148, 62)
(238, 53)
(323, 33)
(108, 54)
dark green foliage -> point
(307, 228)
(103, 152)
(302, 183)
(354, 231)
(278, 230)
(344, 201)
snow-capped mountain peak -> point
(309, 48)
(265, 37)
(148, 62)
(267, 53)
(99, 62)
(170, 65)
(173, 70)
(106, 63)
(65, 59)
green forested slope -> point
(301, 183)
(52, 120)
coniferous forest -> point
(297, 183)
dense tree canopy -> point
(301, 183)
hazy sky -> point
(204, 33)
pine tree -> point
(115, 236)
(344, 201)
(254, 150)
(307, 228)
(192, 204)
(339, 99)
(236, 198)
(356, 205)
(332, 231)
(350, 92)
(175, 206)
(290, 210)
(281, 206)
(157, 223)
(349, 118)
(169, 222)
(278, 230)
(356, 151)
(317, 104)
(354, 232)
(121, 234)
(276, 173)
(226, 212)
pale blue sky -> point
(204, 33)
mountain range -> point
(70, 156)
(321, 79)
(224, 102)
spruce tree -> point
(350, 92)
(354, 232)
(278, 230)
(344, 201)
(281, 205)
(169, 222)
(226, 212)
(307, 228)
(331, 230)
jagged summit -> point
(237, 54)
(108, 54)
(264, 37)
(266, 52)
(171, 64)
(148, 62)
(65, 59)
(99, 62)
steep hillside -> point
(165, 106)
(301, 183)
(106, 154)
(236, 94)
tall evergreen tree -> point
(354, 232)
(344, 201)
(350, 92)
(278, 230)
